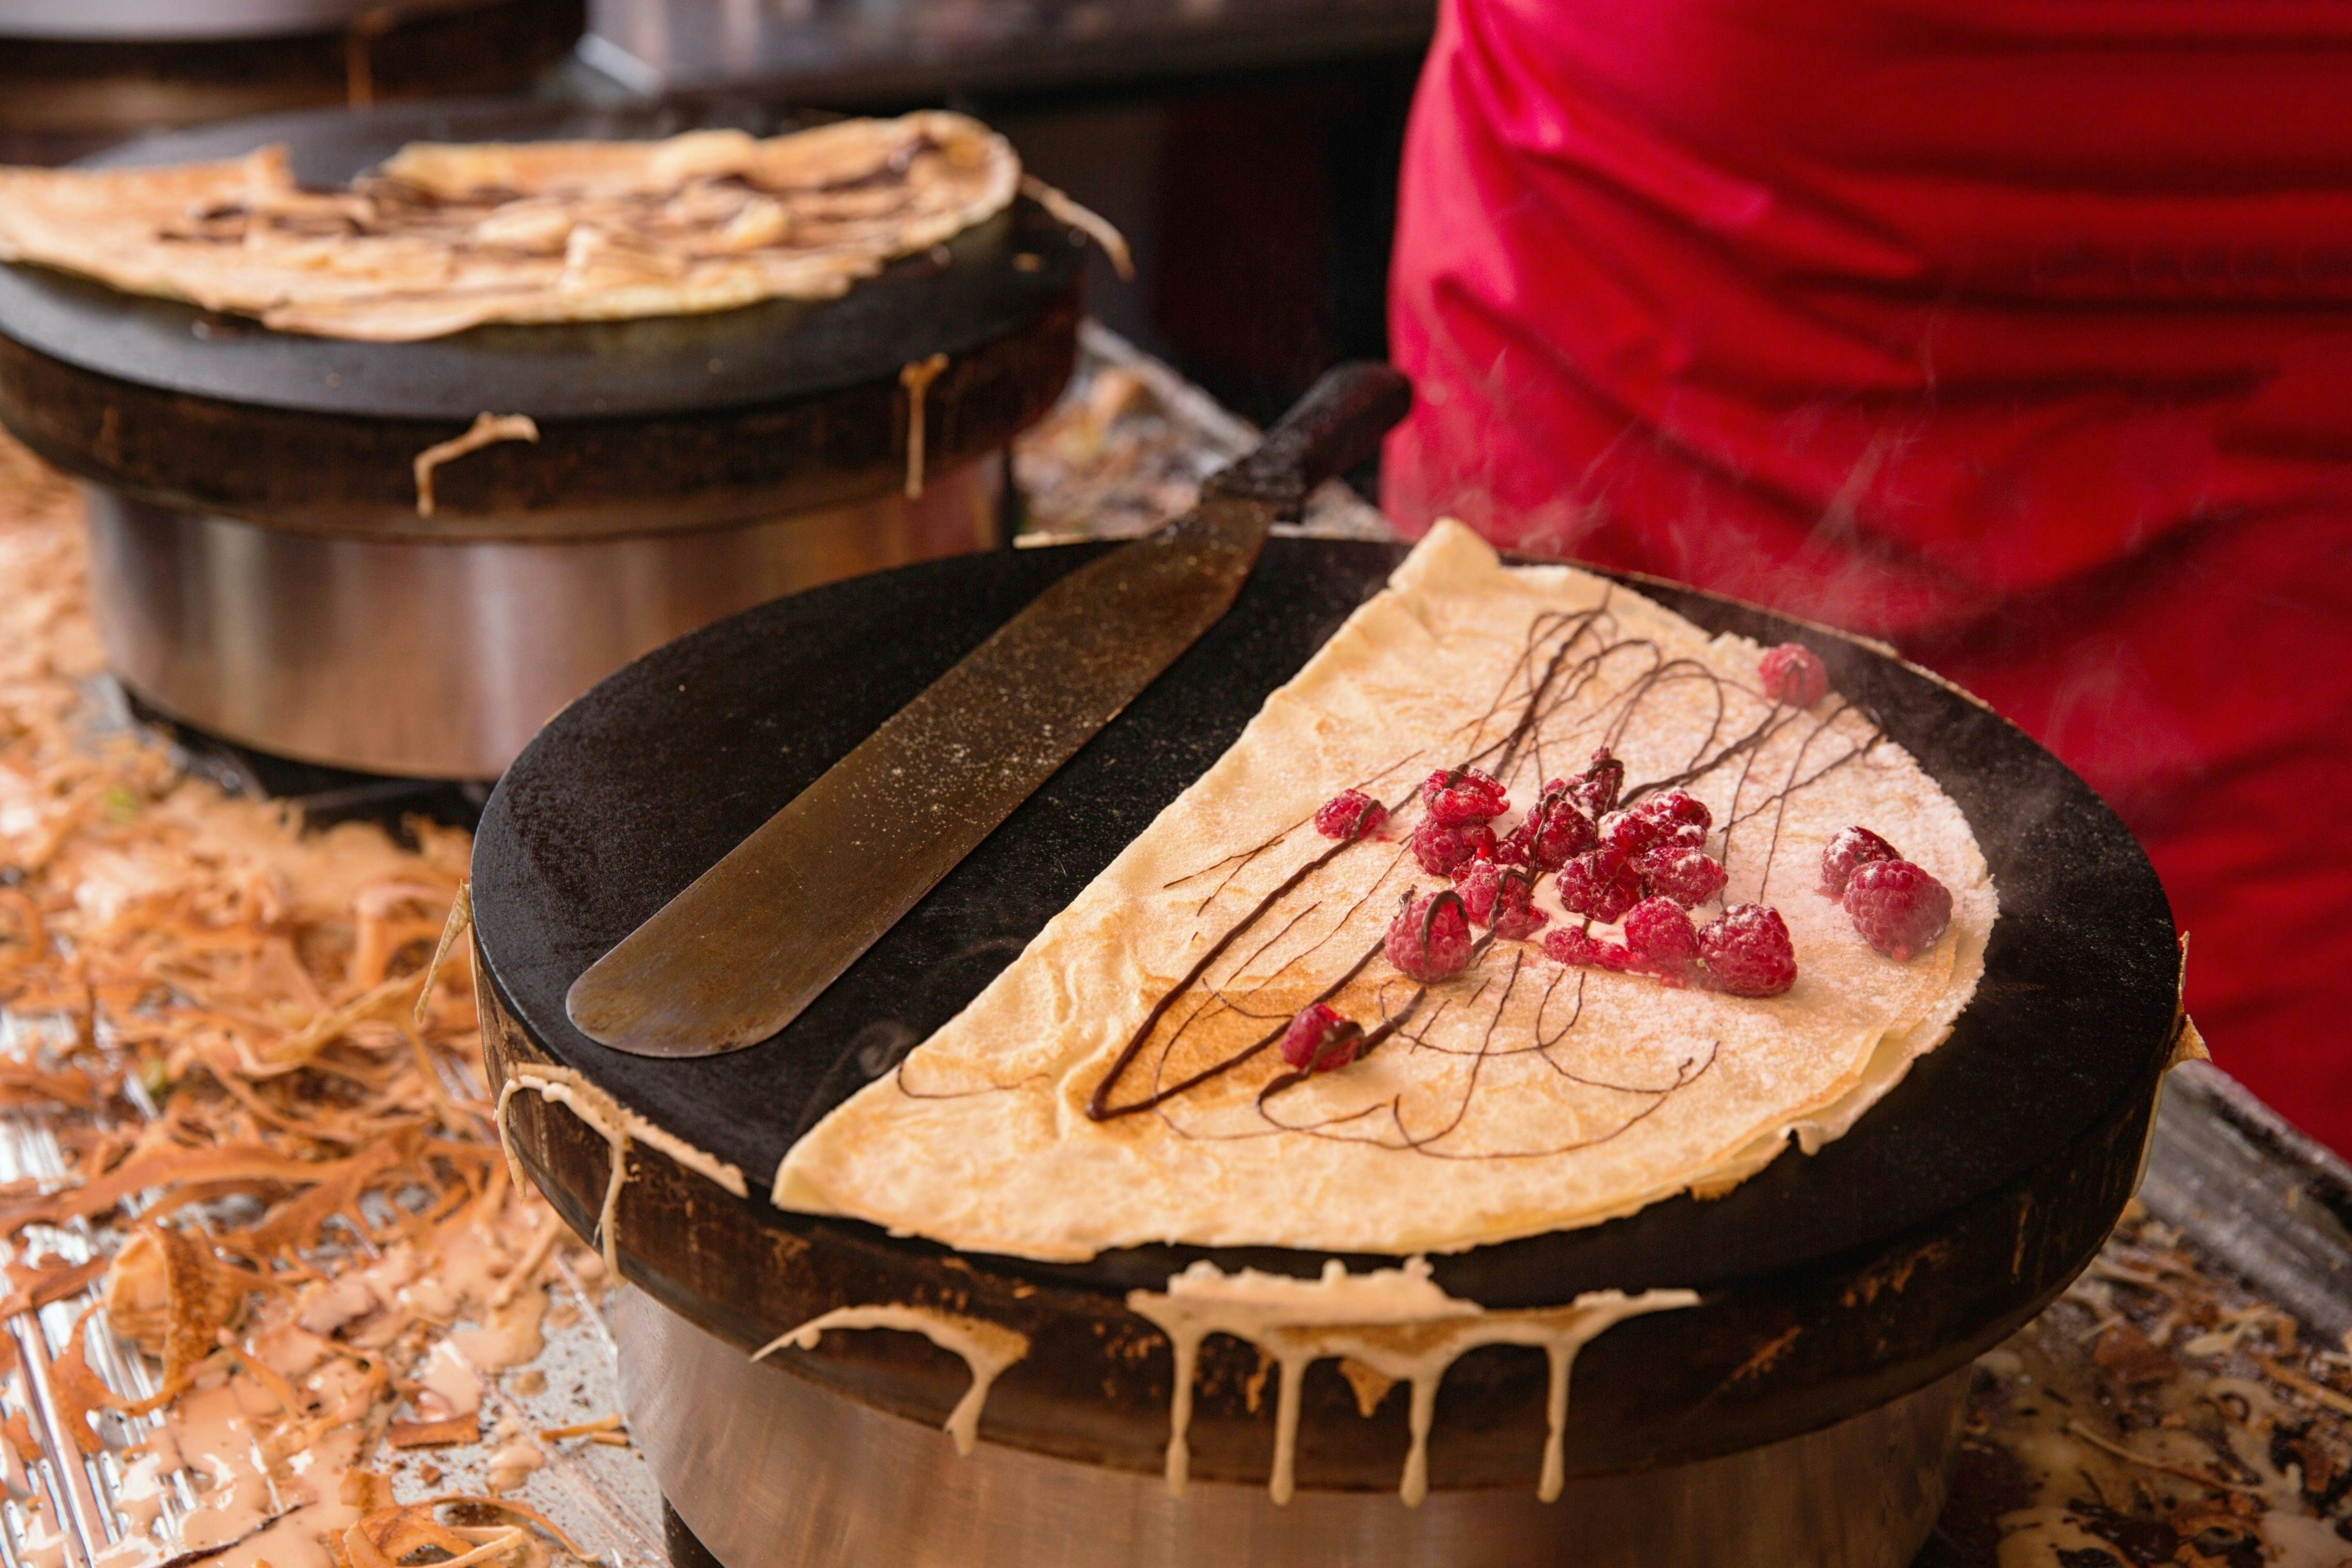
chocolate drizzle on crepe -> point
(1651, 1090)
(1564, 654)
(378, 205)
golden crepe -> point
(1523, 1095)
(444, 237)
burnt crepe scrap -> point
(444, 237)
(1521, 1096)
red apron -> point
(2017, 332)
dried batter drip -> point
(1087, 221)
(1396, 1322)
(616, 1124)
(916, 378)
(987, 1349)
(488, 430)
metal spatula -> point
(732, 960)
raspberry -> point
(1689, 878)
(1793, 673)
(1320, 1038)
(1440, 849)
(1572, 946)
(1456, 796)
(1500, 895)
(1601, 883)
(1477, 880)
(1637, 832)
(1515, 916)
(1679, 806)
(1747, 952)
(1430, 938)
(1849, 852)
(1662, 939)
(1553, 831)
(1898, 908)
(1630, 835)
(1349, 814)
(1595, 788)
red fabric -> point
(2018, 332)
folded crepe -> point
(444, 237)
(1520, 1096)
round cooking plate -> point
(1954, 1209)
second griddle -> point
(647, 425)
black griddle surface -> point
(640, 785)
(758, 354)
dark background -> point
(1247, 149)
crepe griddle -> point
(646, 425)
(1957, 1206)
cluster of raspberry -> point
(1643, 869)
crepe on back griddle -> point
(1521, 1096)
(444, 237)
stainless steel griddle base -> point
(440, 660)
(148, 21)
(770, 1471)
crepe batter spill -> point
(1395, 1322)
(987, 1349)
(1564, 655)
(617, 1125)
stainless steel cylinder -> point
(148, 21)
(439, 660)
(772, 1471)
